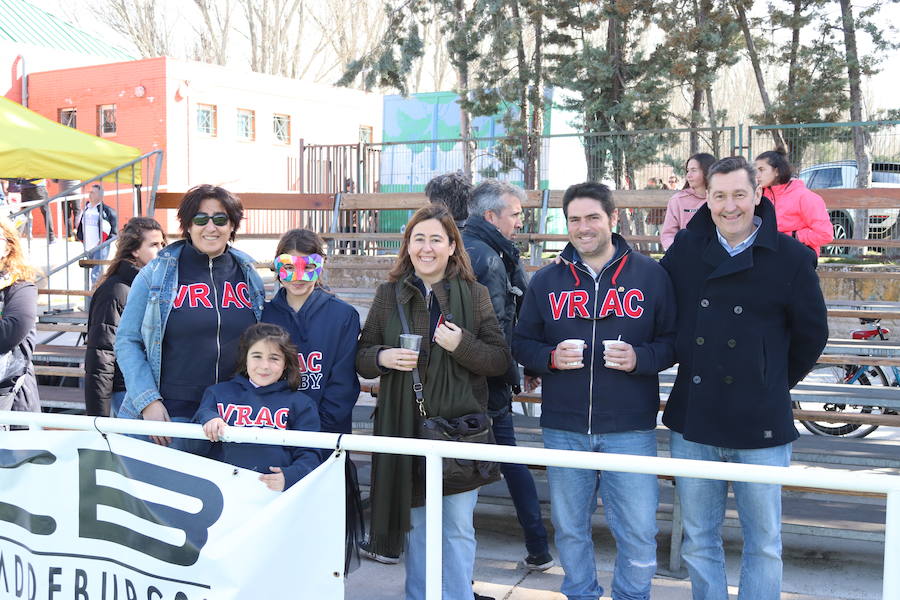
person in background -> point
(104, 387)
(595, 399)
(685, 203)
(461, 344)
(34, 190)
(70, 206)
(96, 224)
(18, 315)
(495, 214)
(673, 182)
(751, 324)
(263, 393)
(453, 190)
(799, 212)
(186, 312)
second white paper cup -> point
(610, 344)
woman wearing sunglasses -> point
(185, 313)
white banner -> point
(83, 518)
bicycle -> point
(858, 374)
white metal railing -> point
(833, 479)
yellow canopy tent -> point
(34, 147)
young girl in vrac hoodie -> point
(264, 394)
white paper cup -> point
(612, 344)
(580, 345)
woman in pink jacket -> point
(799, 212)
(684, 204)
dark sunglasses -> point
(218, 219)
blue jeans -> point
(759, 510)
(115, 403)
(97, 270)
(521, 489)
(458, 547)
(630, 501)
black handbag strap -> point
(417, 380)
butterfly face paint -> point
(299, 268)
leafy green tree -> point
(599, 54)
(701, 39)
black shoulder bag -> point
(459, 474)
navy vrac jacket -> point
(325, 331)
(632, 297)
(240, 404)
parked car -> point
(842, 174)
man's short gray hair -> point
(489, 196)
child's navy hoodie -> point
(274, 406)
(631, 297)
(325, 331)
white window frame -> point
(246, 124)
(103, 129)
(211, 126)
(281, 128)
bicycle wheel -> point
(840, 374)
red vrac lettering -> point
(311, 363)
(572, 301)
(626, 305)
(263, 418)
(198, 295)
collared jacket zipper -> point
(212, 283)
(594, 333)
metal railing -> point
(434, 452)
(126, 189)
(810, 144)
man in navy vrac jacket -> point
(751, 324)
(596, 400)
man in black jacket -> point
(600, 293)
(751, 324)
(453, 190)
(495, 213)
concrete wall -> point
(318, 114)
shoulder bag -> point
(459, 474)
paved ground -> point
(814, 568)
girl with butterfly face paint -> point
(323, 327)
(299, 273)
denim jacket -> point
(140, 335)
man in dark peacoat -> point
(751, 324)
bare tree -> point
(740, 9)
(212, 40)
(275, 30)
(854, 78)
(142, 22)
(346, 29)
